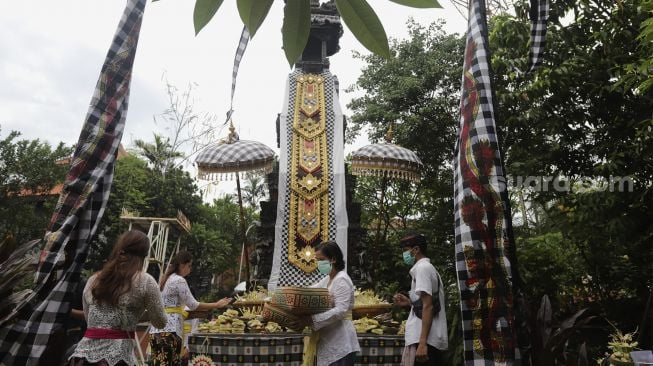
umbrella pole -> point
(384, 185)
(242, 227)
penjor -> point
(311, 203)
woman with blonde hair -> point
(166, 341)
(114, 300)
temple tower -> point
(311, 178)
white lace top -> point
(176, 293)
(337, 334)
(144, 295)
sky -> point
(51, 53)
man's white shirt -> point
(425, 279)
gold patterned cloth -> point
(312, 202)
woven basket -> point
(370, 311)
(302, 300)
(285, 319)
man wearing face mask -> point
(426, 327)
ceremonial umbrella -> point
(385, 160)
(233, 157)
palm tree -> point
(253, 190)
(160, 154)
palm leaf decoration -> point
(16, 264)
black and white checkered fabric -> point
(483, 261)
(241, 155)
(539, 15)
(387, 153)
(289, 275)
(386, 159)
(240, 51)
(283, 349)
(39, 321)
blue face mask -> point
(409, 258)
(324, 266)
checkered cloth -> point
(380, 350)
(38, 322)
(239, 156)
(281, 349)
(287, 349)
(484, 245)
(384, 158)
(387, 151)
(539, 15)
(283, 272)
(240, 51)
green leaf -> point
(296, 26)
(253, 12)
(419, 3)
(365, 25)
(204, 11)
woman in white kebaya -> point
(338, 343)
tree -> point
(188, 132)
(253, 190)
(417, 93)
(29, 169)
(185, 132)
(160, 153)
(145, 191)
(574, 119)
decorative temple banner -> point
(539, 16)
(485, 260)
(311, 207)
(240, 51)
(36, 332)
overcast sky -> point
(51, 53)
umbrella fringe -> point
(211, 175)
(380, 172)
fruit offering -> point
(367, 297)
(248, 320)
(258, 294)
(364, 325)
(380, 324)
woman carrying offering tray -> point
(333, 330)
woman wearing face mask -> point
(337, 342)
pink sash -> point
(101, 333)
